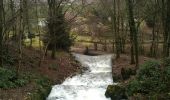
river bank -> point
(40, 79)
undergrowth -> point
(9, 79)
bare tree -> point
(167, 30)
(21, 30)
(1, 33)
(133, 33)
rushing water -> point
(91, 85)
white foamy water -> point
(91, 85)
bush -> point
(7, 57)
(166, 62)
(43, 88)
(166, 73)
(149, 70)
(150, 81)
(134, 87)
(8, 79)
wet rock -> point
(116, 92)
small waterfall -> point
(91, 85)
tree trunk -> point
(21, 30)
(26, 16)
(95, 46)
(39, 33)
(116, 32)
(13, 14)
(153, 46)
(167, 30)
(52, 13)
(133, 31)
(164, 26)
(1, 33)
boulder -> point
(116, 92)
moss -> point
(115, 92)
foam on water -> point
(91, 85)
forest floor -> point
(55, 70)
(125, 62)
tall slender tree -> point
(133, 32)
(21, 30)
(1, 32)
(12, 7)
(163, 12)
(26, 17)
(116, 26)
(52, 11)
(167, 29)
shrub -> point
(167, 72)
(166, 65)
(149, 70)
(43, 88)
(151, 82)
(148, 79)
(134, 87)
(7, 57)
(167, 78)
(8, 79)
(166, 62)
(150, 76)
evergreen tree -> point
(58, 31)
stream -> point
(90, 85)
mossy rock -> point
(115, 92)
